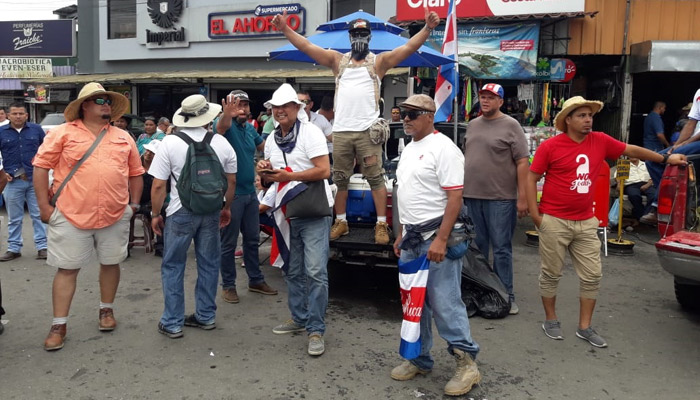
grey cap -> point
(240, 95)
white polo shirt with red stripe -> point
(428, 168)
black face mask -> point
(360, 45)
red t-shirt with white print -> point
(570, 169)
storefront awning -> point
(192, 76)
(665, 56)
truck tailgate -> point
(681, 242)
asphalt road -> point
(653, 353)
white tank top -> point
(356, 108)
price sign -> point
(623, 169)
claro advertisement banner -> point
(408, 10)
(490, 51)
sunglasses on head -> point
(412, 114)
(101, 102)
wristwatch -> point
(135, 206)
(665, 158)
(155, 214)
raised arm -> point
(390, 59)
(327, 58)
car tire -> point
(687, 295)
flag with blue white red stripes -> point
(446, 86)
(413, 278)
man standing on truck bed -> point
(430, 177)
(495, 146)
(358, 77)
(566, 221)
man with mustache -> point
(91, 204)
(564, 217)
(358, 77)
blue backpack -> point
(202, 182)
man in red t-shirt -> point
(565, 218)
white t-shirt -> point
(171, 154)
(267, 198)
(427, 169)
(325, 126)
(695, 112)
(356, 106)
(310, 144)
(5, 122)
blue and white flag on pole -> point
(446, 86)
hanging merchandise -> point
(545, 101)
(467, 96)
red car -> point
(679, 226)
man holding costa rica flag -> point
(432, 238)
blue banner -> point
(53, 38)
(495, 51)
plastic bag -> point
(482, 291)
(614, 213)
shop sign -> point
(165, 14)
(543, 67)
(409, 10)
(38, 38)
(25, 67)
(562, 70)
(490, 51)
(255, 23)
(37, 93)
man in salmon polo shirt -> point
(89, 213)
(564, 217)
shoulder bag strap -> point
(77, 165)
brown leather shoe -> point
(54, 341)
(107, 321)
(230, 295)
(262, 288)
(10, 256)
(41, 254)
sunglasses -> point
(101, 102)
(360, 34)
(305, 101)
(396, 112)
(412, 114)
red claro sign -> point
(255, 23)
(409, 10)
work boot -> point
(10, 255)
(339, 228)
(381, 233)
(230, 295)
(262, 288)
(107, 321)
(407, 370)
(54, 341)
(466, 375)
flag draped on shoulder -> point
(446, 86)
(413, 278)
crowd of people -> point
(216, 173)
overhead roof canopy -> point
(190, 76)
(665, 56)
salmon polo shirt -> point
(98, 192)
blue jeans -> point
(656, 170)
(443, 302)
(16, 193)
(307, 276)
(634, 193)
(180, 229)
(494, 223)
(244, 219)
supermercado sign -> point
(408, 10)
(24, 67)
(255, 23)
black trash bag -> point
(482, 291)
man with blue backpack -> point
(202, 169)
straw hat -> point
(283, 95)
(196, 111)
(119, 102)
(572, 104)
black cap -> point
(358, 24)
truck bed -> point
(358, 247)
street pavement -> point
(653, 353)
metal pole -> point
(455, 109)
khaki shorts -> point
(72, 248)
(351, 146)
(580, 238)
